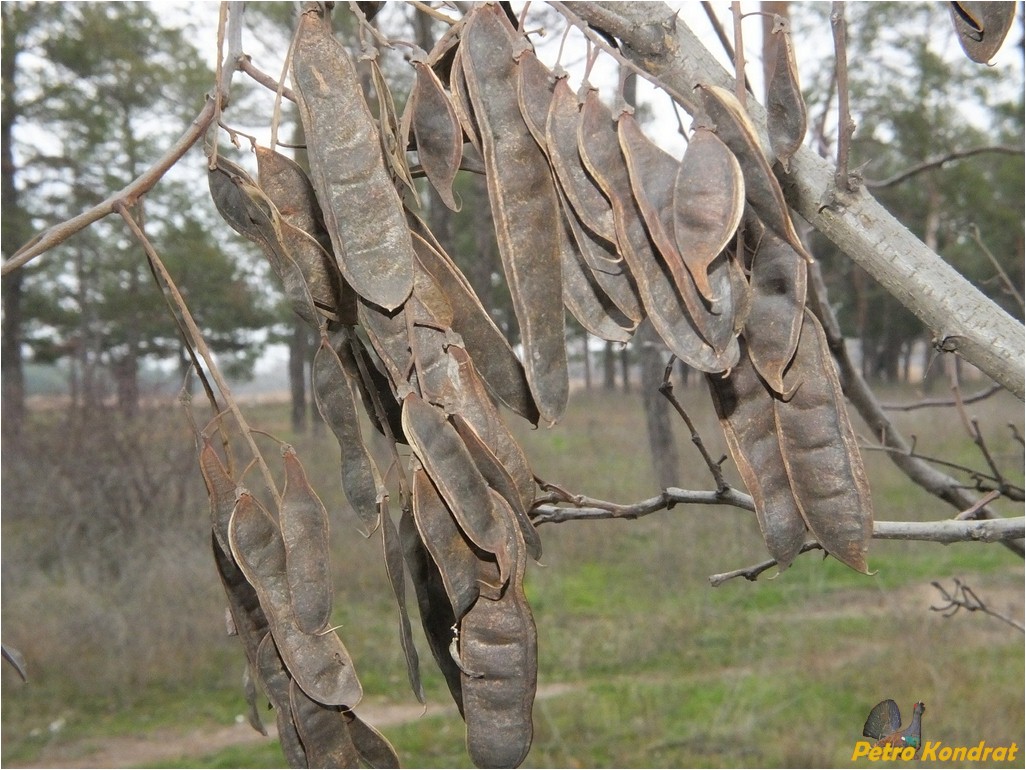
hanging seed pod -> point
(534, 94)
(358, 365)
(981, 27)
(778, 281)
(371, 242)
(304, 528)
(745, 409)
(461, 101)
(319, 662)
(821, 453)
(249, 620)
(436, 615)
(762, 190)
(708, 203)
(451, 468)
(524, 207)
(323, 732)
(437, 131)
(333, 395)
(373, 747)
(600, 151)
(388, 335)
(498, 643)
(393, 140)
(393, 551)
(277, 684)
(220, 491)
(786, 114)
(494, 358)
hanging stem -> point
(845, 125)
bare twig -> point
(845, 125)
(714, 467)
(739, 55)
(983, 482)
(926, 403)
(722, 36)
(1010, 287)
(964, 598)
(246, 65)
(939, 161)
(197, 340)
(752, 573)
(970, 514)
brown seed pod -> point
(436, 615)
(436, 128)
(220, 491)
(393, 551)
(786, 114)
(452, 470)
(277, 684)
(762, 190)
(494, 358)
(304, 528)
(323, 731)
(498, 643)
(653, 175)
(249, 620)
(745, 408)
(333, 395)
(778, 281)
(708, 203)
(600, 151)
(534, 94)
(319, 662)
(393, 139)
(373, 747)
(821, 453)
(524, 207)
(981, 27)
(371, 242)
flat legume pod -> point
(323, 731)
(393, 551)
(653, 175)
(465, 571)
(277, 683)
(362, 210)
(821, 453)
(495, 360)
(437, 130)
(778, 280)
(524, 207)
(981, 27)
(363, 372)
(708, 204)
(436, 615)
(786, 115)
(319, 662)
(304, 528)
(499, 643)
(745, 408)
(388, 333)
(220, 491)
(249, 620)
(600, 150)
(374, 749)
(361, 480)
(762, 190)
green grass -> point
(663, 670)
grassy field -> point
(647, 665)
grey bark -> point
(962, 320)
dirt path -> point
(167, 744)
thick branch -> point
(962, 319)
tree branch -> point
(939, 161)
(925, 403)
(961, 318)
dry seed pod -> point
(745, 408)
(534, 94)
(708, 203)
(778, 281)
(304, 529)
(600, 151)
(373, 747)
(289, 188)
(591, 205)
(388, 335)
(249, 620)
(452, 470)
(436, 615)
(461, 101)
(495, 360)
(393, 551)
(393, 139)
(464, 570)
(371, 243)
(786, 115)
(498, 642)
(524, 207)
(277, 685)
(982, 27)
(252, 709)
(319, 662)
(220, 491)
(361, 480)
(821, 453)
(762, 190)
(323, 731)
(653, 175)
(376, 393)
(437, 130)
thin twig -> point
(1011, 491)
(940, 160)
(739, 55)
(246, 65)
(200, 344)
(964, 598)
(925, 403)
(845, 125)
(722, 36)
(970, 513)
(752, 573)
(667, 390)
(974, 233)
